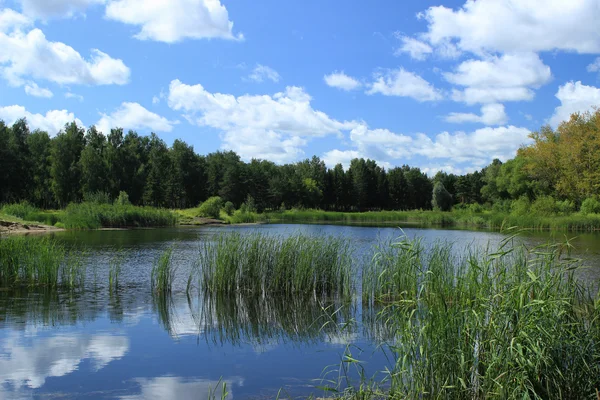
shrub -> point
(211, 208)
(520, 206)
(591, 205)
(123, 199)
(229, 208)
(476, 208)
(565, 207)
(20, 210)
(544, 206)
(502, 206)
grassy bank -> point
(94, 216)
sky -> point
(440, 85)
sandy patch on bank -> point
(20, 228)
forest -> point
(558, 173)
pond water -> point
(129, 344)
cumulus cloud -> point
(263, 126)
(134, 116)
(341, 81)
(261, 72)
(32, 89)
(10, 19)
(75, 96)
(174, 20)
(32, 55)
(595, 66)
(509, 77)
(417, 49)
(44, 9)
(574, 97)
(400, 82)
(491, 114)
(473, 149)
(52, 122)
(516, 26)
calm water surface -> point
(129, 344)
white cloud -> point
(341, 81)
(32, 89)
(403, 83)
(415, 48)
(44, 9)
(472, 150)
(517, 25)
(134, 116)
(574, 97)
(70, 95)
(28, 366)
(510, 77)
(595, 66)
(52, 122)
(174, 20)
(491, 114)
(171, 387)
(262, 72)
(10, 19)
(262, 126)
(32, 55)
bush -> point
(20, 210)
(123, 199)
(520, 206)
(211, 208)
(565, 207)
(476, 208)
(229, 208)
(591, 205)
(544, 206)
(502, 206)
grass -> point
(163, 273)
(94, 216)
(276, 265)
(26, 261)
(506, 324)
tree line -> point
(77, 164)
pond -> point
(128, 344)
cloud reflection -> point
(172, 387)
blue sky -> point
(435, 84)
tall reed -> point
(163, 273)
(276, 265)
(506, 324)
(27, 261)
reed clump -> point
(27, 261)
(163, 273)
(272, 265)
(507, 323)
(94, 216)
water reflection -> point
(27, 362)
(171, 387)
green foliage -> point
(30, 261)
(544, 206)
(565, 207)
(94, 216)
(211, 208)
(97, 198)
(123, 199)
(273, 265)
(229, 208)
(441, 198)
(508, 323)
(521, 206)
(20, 210)
(591, 205)
(163, 273)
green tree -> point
(441, 198)
(65, 168)
(94, 167)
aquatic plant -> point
(276, 265)
(28, 261)
(163, 273)
(506, 323)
